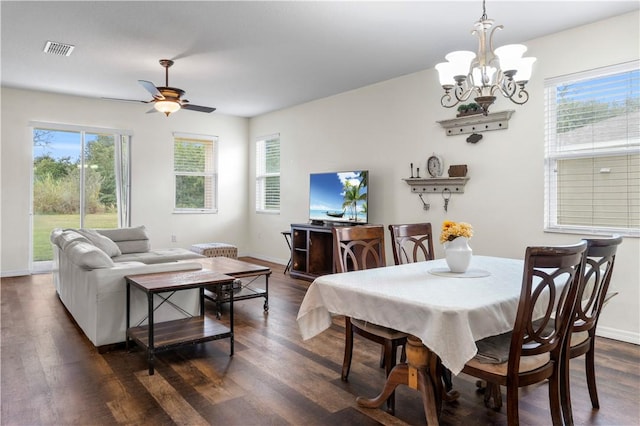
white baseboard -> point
(16, 273)
(621, 335)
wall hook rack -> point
(477, 123)
(437, 185)
(425, 206)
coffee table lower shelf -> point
(222, 295)
(171, 334)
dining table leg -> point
(421, 372)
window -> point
(195, 169)
(80, 180)
(592, 156)
(268, 174)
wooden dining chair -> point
(533, 351)
(592, 296)
(411, 242)
(357, 248)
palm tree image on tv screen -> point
(338, 197)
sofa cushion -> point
(137, 246)
(158, 256)
(103, 243)
(129, 240)
(88, 256)
(69, 236)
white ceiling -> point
(248, 58)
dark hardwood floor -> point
(52, 375)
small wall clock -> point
(435, 166)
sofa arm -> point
(103, 292)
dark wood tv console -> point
(311, 251)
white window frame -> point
(595, 150)
(262, 175)
(122, 164)
(211, 172)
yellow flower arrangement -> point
(452, 230)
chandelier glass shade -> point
(167, 106)
(487, 72)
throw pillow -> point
(103, 243)
(125, 234)
(88, 256)
(129, 240)
(69, 236)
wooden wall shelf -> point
(477, 123)
(437, 185)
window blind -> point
(195, 170)
(592, 155)
(268, 174)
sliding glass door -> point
(80, 179)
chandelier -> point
(487, 72)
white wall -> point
(152, 179)
(386, 126)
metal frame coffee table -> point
(157, 337)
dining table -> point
(444, 313)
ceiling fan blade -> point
(127, 100)
(151, 88)
(198, 108)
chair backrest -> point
(600, 258)
(411, 242)
(358, 247)
(550, 283)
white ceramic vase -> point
(458, 254)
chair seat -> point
(493, 353)
(385, 332)
(579, 337)
(527, 363)
(494, 349)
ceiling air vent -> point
(56, 48)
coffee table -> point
(156, 337)
(237, 269)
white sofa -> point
(89, 270)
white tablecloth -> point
(448, 313)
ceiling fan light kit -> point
(167, 107)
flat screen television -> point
(339, 197)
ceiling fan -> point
(167, 99)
